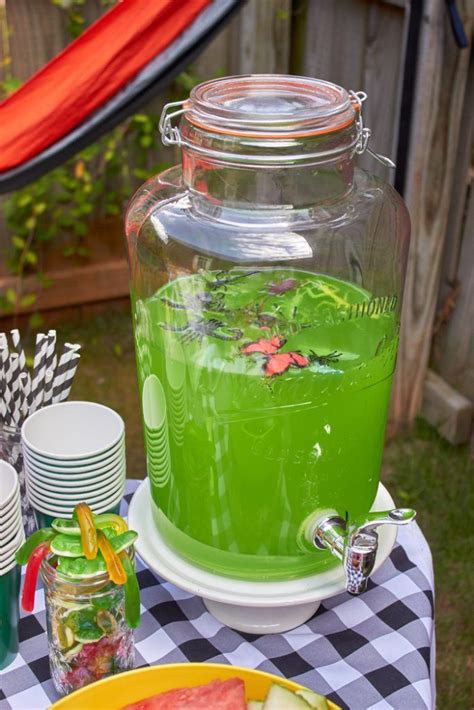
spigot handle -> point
(368, 523)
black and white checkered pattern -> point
(374, 651)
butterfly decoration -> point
(276, 363)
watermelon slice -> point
(216, 695)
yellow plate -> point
(119, 690)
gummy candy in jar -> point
(91, 594)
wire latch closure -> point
(171, 135)
(364, 133)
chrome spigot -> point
(355, 543)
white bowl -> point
(76, 477)
(60, 497)
(66, 511)
(5, 569)
(72, 430)
(81, 464)
(76, 484)
(9, 485)
(7, 512)
(12, 546)
(10, 521)
(10, 537)
(45, 492)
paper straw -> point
(25, 387)
(14, 377)
(48, 387)
(67, 384)
(49, 362)
(4, 414)
(4, 341)
(62, 370)
(16, 338)
(39, 369)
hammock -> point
(116, 66)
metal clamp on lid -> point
(365, 133)
(170, 134)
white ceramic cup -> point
(72, 430)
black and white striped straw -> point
(69, 377)
(16, 339)
(63, 369)
(48, 387)
(50, 381)
(25, 388)
(50, 354)
(39, 370)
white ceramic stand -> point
(252, 607)
(259, 620)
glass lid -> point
(267, 105)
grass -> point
(422, 471)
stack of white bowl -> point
(12, 535)
(73, 452)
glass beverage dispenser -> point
(266, 279)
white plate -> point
(13, 513)
(254, 607)
(72, 430)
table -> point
(375, 651)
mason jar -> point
(88, 636)
(266, 280)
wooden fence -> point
(360, 44)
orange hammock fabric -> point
(88, 73)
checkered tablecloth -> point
(374, 651)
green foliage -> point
(93, 185)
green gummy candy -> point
(67, 546)
(124, 540)
(66, 527)
(80, 567)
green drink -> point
(265, 396)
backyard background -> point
(63, 258)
